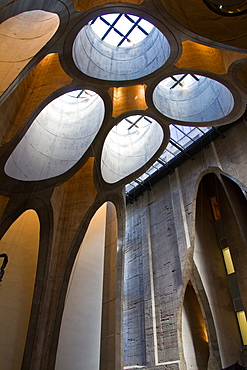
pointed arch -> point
(217, 229)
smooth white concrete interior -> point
(19, 43)
(199, 101)
(79, 340)
(128, 147)
(101, 60)
(58, 137)
(21, 244)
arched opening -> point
(19, 43)
(58, 137)
(220, 257)
(195, 338)
(130, 145)
(98, 56)
(21, 244)
(192, 98)
(88, 328)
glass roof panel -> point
(147, 26)
(113, 38)
(181, 138)
(143, 177)
(121, 29)
(123, 25)
(100, 26)
(109, 17)
(133, 17)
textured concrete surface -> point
(57, 138)
(19, 44)
(203, 101)
(156, 276)
(127, 150)
(101, 60)
(167, 228)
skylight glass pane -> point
(158, 165)
(176, 134)
(123, 25)
(143, 177)
(136, 35)
(99, 27)
(151, 170)
(110, 17)
(147, 26)
(172, 149)
(133, 17)
(115, 33)
(113, 38)
(129, 187)
(184, 136)
(167, 156)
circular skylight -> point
(119, 47)
(192, 98)
(129, 146)
(58, 137)
(121, 30)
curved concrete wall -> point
(57, 138)
(126, 150)
(21, 243)
(203, 101)
(79, 340)
(19, 43)
(99, 59)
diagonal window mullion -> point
(134, 123)
(142, 29)
(111, 26)
(184, 133)
(178, 81)
(138, 26)
(103, 20)
(129, 18)
(129, 32)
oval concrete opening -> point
(129, 145)
(58, 137)
(192, 98)
(122, 60)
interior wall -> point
(79, 340)
(163, 229)
(21, 243)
